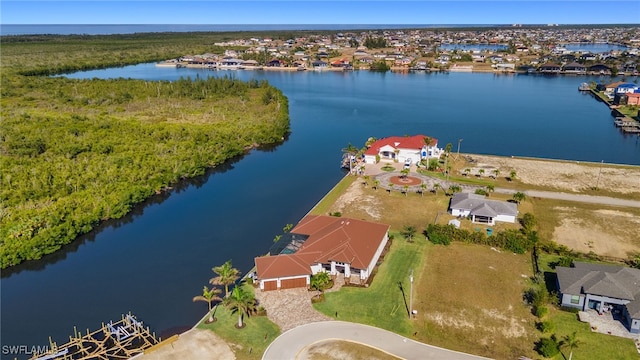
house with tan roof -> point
(602, 288)
(402, 148)
(324, 243)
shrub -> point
(546, 326)
(548, 347)
(540, 311)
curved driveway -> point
(291, 343)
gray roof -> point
(479, 205)
(606, 280)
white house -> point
(482, 210)
(325, 243)
(402, 148)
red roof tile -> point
(330, 239)
(400, 142)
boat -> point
(584, 87)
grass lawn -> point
(386, 304)
(471, 300)
(322, 207)
(249, 342)
(475, 307)
(592, 345)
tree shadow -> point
(404, 297)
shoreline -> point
(459, 69)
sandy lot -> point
(563, 175)
(605, 232)
(193, 344)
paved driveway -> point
(292, 342)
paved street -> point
(602, 200)
(292, 342)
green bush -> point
(548, 347)
(540, 311)
(546, 326)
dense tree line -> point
(375, 42)
(77, 152)
(513, 240)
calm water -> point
(479, 47)
(153, 262)
(594, 48)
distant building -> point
(402, 148)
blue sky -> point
(320, 12)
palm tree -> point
(320, 282)
(423, 187)
(496, 172)
(481, 172)
(390, 188)
(427, 142)
(404, 172)
(490, 188)
(512, 175)
(376, 183)
(435, 188)
(227, 275)
(571, 342)
(467, 171)
(405, 189)
(209, 296)
(454, 189)
(408, 232)
(242, 302)
(518, 197)
(349, 152)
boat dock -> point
(122, 339)
(627, 125)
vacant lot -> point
(567, 176)
(469, 298)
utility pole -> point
(599, 172)
(411, 294)
(458, 156)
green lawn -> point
(382, 304)
(322, 208)
(248, 343)
(592, 345)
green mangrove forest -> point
(74, 153)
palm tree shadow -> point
(404, 297)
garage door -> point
(293, 283)
(270, 285)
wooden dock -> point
(120, 340)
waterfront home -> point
(401, 149)
(549, 68)
(324, 244)
(632, 98)
(599, 69)
(574, 68)
(602, 288)
(482, 210)
(319, 64)
(610, 88)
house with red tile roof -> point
(402, 148)
(326, 243)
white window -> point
(575, 299)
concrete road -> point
(288, 345)
(592, 199)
